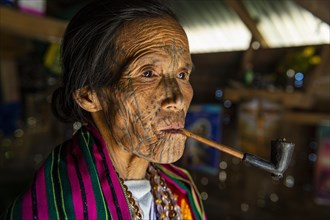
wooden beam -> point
(306, 118)
(248, 21)
(29, 26)
(320, 8)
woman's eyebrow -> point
(189, 66)
(145, 60)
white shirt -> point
(141, 191)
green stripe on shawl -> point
(87, 143)
(52, 207)
(60, 181)
(66, 191)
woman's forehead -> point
(150, 33)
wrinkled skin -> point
(151, 98)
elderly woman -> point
(126, 68)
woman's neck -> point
(127, 165)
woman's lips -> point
(170, 126)
(171, 131)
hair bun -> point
(62, 107)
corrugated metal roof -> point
(213, 26)
(284, 23)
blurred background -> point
(262, 73)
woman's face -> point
(151, 100)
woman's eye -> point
(148, 74)
(182, 75)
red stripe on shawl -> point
(75, 187)
(27, 205)
(113, 176)
(41, 193)
(86, 178)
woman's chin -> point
(170, 153)
(165, 149)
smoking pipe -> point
(280, 156)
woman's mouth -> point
(171, 131)
(170, 127)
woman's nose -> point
(173, 98)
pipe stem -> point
(216, 145)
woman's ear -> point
(87, 99)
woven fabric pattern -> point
(78, 181)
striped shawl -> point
(78, 181)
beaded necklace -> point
(166, 203)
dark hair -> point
(89, 52)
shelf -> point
(30, 26)
(289, 100)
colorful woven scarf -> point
(78, 181)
